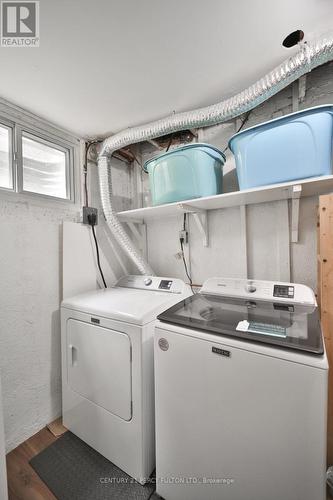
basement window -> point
(36, 159)
(45, 167)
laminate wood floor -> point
(23, 482)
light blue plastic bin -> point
(295, 146)
(192, 171)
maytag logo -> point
(221, 352)
(20, 23)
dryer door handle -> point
(72, 355)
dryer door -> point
(99, 366)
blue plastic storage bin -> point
(295, 146)
(192, 171)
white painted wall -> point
(30, 270)
(3, 470)
(30, 293)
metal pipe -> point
(309, 56)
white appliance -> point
(107, 368)
(241, 394)
(3, 471)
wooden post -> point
(325, 298)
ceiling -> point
(106, 65)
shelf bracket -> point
(201, 221)
(189, 209)
(295, 200)
(200, 217)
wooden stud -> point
(325, 298)
(325, 263)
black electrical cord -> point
(240, 128)
(97, 254)
(92, 222)
(170, 142)
(181, 240)
(91, 217)
(185, 264)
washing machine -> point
(107, 368)
(241, 394)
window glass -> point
(6, 177)
(44, 168)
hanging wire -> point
(181, 240)
(240, 128)
(170, 142)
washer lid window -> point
(291, 326)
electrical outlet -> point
(89, 211)
(184, 236)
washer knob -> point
(148, 281)
(250, 287)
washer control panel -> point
(284, 291)
(293, 293)
(153, 283)
(165, 284)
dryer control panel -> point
(294, 293)
(153, 283)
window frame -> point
(49, 141)
(23, 122)
(4, 123)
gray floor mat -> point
(72, 470)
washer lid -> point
(287, 325)
(125, 304)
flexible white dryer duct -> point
(309, 56)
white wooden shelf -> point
(289, 190)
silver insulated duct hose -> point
(307, 58)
